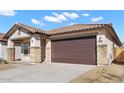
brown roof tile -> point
(30, 28)
(76, 27)
(72, 28)
(66, 29)
(1, 37)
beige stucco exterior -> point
(40, 45)
(19, 34)
(3, 50)
(105, 47)
(35, 47)
(104, 44)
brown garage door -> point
(75, 50)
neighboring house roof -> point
(66, 29)
(1, 37)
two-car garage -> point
(81, 50)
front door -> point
(17, 51)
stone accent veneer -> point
(101, 54)
(35, 54)
(48, 55)
(10, 54)
(48, 51)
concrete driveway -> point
(43, 73)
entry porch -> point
(26, 49)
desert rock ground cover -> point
(102, 74)
(6, 66)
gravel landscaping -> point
(102, 74)
(6, 66)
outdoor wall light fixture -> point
(100, 40)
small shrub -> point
(3, 61)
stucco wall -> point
(35, 45)
(110, 46)
(104, 47)
(35, 41)
(3, 50)
(17, 35)
(109, 50)
(10, 44)
(103, 39)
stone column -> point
(35, 49)
(10, 51)
(48, 51)
(101, 49)
(35, 54)
(101, 54)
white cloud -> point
(37, 22)
(72, 23)
(96, 19)
(52, 19)
(8, 12)
(57, 18)
(85, 14)
(71, 15)
(60, 16)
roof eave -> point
(5, 36)
(117, 38)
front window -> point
(25, 48)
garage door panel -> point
(79, 50)
(79, 57)
(74, 53)
(73, 47)
(75, 61)
(72, 44)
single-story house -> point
(79, 44)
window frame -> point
(25, 47)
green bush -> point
(3, 61)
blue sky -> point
(51, 19)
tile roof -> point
(66, 29)
(1, 37)
(77, 27)
(30, 28)
(72, 28)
